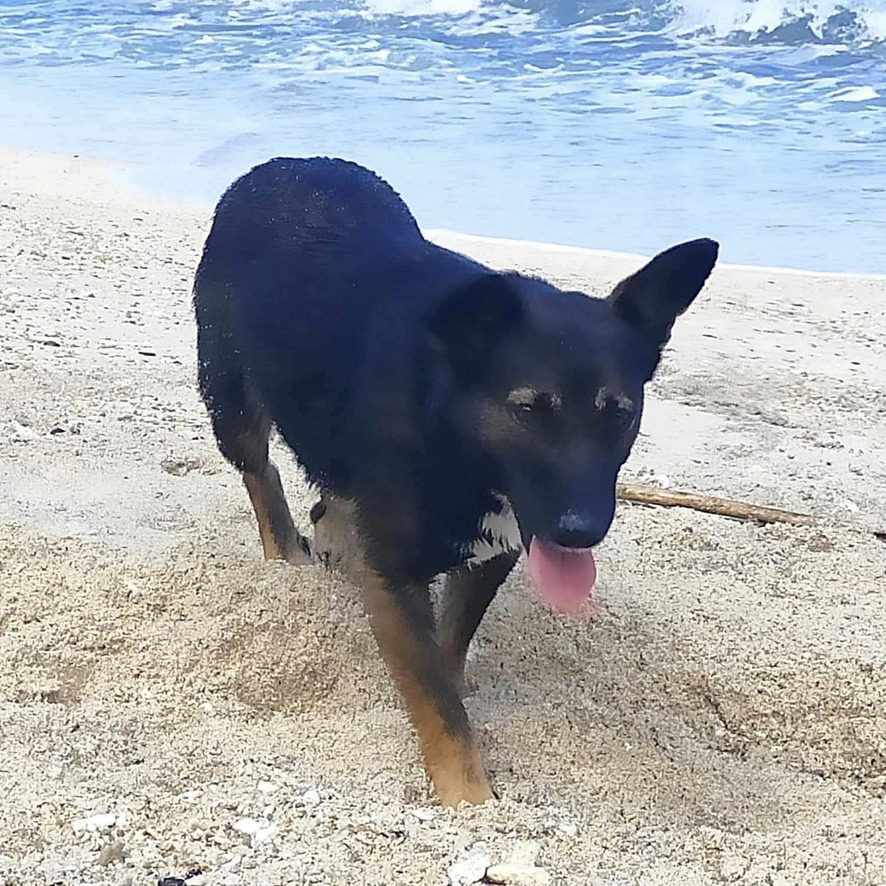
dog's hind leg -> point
(467, 593)
(245, 444)
(242, 429)
(279, 537)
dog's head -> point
(548, 384)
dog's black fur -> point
(421, 392)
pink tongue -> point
(562, 578)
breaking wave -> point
(788, 22)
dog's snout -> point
(579, 530)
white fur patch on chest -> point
(498, 534)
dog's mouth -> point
(563, 577)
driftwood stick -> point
(724, 507)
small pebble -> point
(103, 821)
(468, 871)
(259, 831)
(247, 826)
(569, 828)
(110, 852)
(22, 433)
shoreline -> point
(591, 254)
(113, 173)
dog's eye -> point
(624, 417)
(621, 416)
(528, 403)
(618, 412)
(525, 409)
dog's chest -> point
(498, 534)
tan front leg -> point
(402, 621)
(404, 632)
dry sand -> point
(722, 719)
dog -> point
(450, 416)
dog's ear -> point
(653, 298)
(473, 318)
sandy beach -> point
(170, 704)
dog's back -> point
(313, 276)
(288, 243)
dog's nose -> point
(579, 531)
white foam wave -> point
(855, 94)
(825, 19)
(792, 21)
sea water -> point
(602, 123)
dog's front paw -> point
(298, 551)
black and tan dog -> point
(450, 416)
